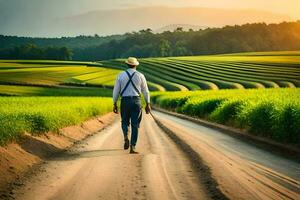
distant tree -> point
(149, 30)
(179, 49)
(164, 48)
(65, 54)
(179, 29)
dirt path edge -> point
(286, 150)
(19, 158)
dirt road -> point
(242, 170)
(99, 168)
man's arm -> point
(145, 91)
(116, 93)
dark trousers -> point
(131, 113)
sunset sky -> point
(289, 7)
(35, 15)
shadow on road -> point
(39, 148)
(89, 154)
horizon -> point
(71, 18)
(179, 26)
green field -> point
(56, 73)
(73, 91)
(64, 105)
(272, 113)
(38, 115)
(232, 71)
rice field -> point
(53, 73)
(229, 71)
(37, 115)
(271, 113)
(232, 71)
(56, 73)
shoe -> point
(132, 150)
(126, 144)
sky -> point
(29, 17)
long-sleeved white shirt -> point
(139, 81)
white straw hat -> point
(132, 61)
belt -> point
(131, 97)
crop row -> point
(272, 113)
(56, 73)
(265, 70)
(30, 90)
(53, 74)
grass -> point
(37, 115)
(271, 113)
(228, 71)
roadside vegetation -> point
(66, 100)
(38, 115)
(271, 113)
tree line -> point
(81, 41)
(229, 39)
(32, 52)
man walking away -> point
(129, 85)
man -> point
(129, 85)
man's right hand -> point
(115, 109)
(148, 108)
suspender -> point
(130, 81)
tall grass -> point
(38, 115)
(272, 113)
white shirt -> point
(139, 81)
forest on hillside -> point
(145, 43)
